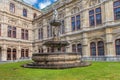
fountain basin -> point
(56, 61)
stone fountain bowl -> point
(56, 61)
(55, 23)
(56, 43)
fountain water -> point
(56, 59)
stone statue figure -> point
(55, 15)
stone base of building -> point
(101, 58)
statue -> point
(55, 15)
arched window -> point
(27, 53)
(117, 43)
(74, 48)
(12, 7)
(79, 48)
(9, 54)
(116, 6)
(14, 54)
(25, 12)
(22, 53)
(100, 48)
(93, 48)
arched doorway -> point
(117, 44)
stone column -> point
(19, 52)
(4, 53)
(86, 50)
(30, 52)
(108, 14)
(109, 43)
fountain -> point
(56, 59)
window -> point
(24, 34)
(117, 43)
(100, 48)
(62, 27)
(9, 54)
(25, 12)
(40, 33)
(14, 54)
(41, 50)
(14, 32)
(12, 7)
(73, 23)
(95, 17)
(79, 48)
(74, 48)
(116, 5)
(27, 53)
(24, 53)
(93, 48)
(49, 31)
(11, 32)
(76, 24)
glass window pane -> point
(78, 22)
(117, 13)
(98, 19)
(91, 12)
(93, 49)
(98, 10)
(116, 3)
(100, 48)
(117, 47)
(91, 20)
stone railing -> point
(101, 58)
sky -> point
(40, 4)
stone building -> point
(16, 29)
(92, 27)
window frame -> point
(25, 12)
(12, 7)
(94, 15)
(116, 7)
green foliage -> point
(98, 71)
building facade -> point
(16, 29)
(92, 27)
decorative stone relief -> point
(25, 25)
(75, 10)
(12, 21)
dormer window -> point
(25, 12)
(12, 7)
